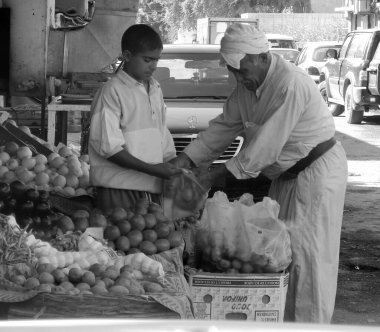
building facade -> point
(361, 14)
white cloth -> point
(312, 208)
(124, 116)
(241, 39)
(281, 123)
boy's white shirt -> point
(124, 116)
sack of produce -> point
(183, 195)
(242, 236)
(221, 240)
(268, 236)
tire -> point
(335, 109)
(353, 116)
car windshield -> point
(287, 54)
(319, 54)
(282, 43)
(193, 75)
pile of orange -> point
(143, 228)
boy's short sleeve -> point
(106, 137)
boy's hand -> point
(165, 170)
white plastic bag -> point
(221, 238)
(268, 236)
(242, 236)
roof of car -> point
(279, 49)
(278, 36)
(325, 42)
(366, 30)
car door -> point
(334, 69)
(374, 73)
(353, 61)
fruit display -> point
(141, 229)
(64, 171)
(90, 270)
(32, 208)
(97, 280)
(90, 251)
(82, 251)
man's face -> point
(252, 72)
(142, 65)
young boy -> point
(129, 143)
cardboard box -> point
(256, 297)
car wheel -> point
(335, 109)
(353, 116)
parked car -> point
(195, 88)
(281, 41)
(289, 54)
(313, 57)
(350, 80)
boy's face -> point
(141, 65)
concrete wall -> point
(325, 6)
(91, 48)
(38, 51)
(303, 27)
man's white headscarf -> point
(239, 40)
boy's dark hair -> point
(139, 38)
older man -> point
(289, 137)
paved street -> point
(358, 295)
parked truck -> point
(210, 30)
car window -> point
(344, 47)
(184, 75)
(358, 45)
(376, 56)
(319, 54)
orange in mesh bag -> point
(267, 235)
(183, 195)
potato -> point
(135, 288)
(247, 268)
(216, 254)
(224, 264)
(152, 287)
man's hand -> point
(207, 177)
(182, 161)
(165, 170)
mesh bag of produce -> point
(183, 196)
